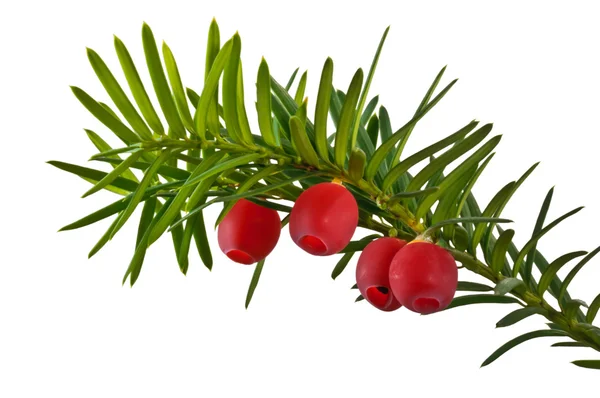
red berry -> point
(324, 219)
(372, 273)
(423, 277)
(249, 232)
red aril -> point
(249, 232)
(423, 277)
(372, 273)
(324, 219)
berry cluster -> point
(390, 273)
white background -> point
(69, 329)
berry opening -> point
(378, 296)
(313, 245)
(426, 305)
(240, 257)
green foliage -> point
(263, 106)
(593, 310)
(322, 110)
(420, 110)
(341, 264)
(589, 364)
(508, 285)
(521, 339)
(254, 281)
(518, 315)
(356, 164)
(105, 117)
(116, 173)
(365, 91)
(553, 269)
(137, 88)
(346, 118)
(118, 96)
(481, 299)
(574, 271)
(532, 242)
(390, 144)
(301, 142)
(161, 87)
(473, 287)
(500, 249)
(210, 155)
(569, 344)
(117, 184)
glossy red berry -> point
(249, 232)
(372, 273)
(423, 277)
(324, 219)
